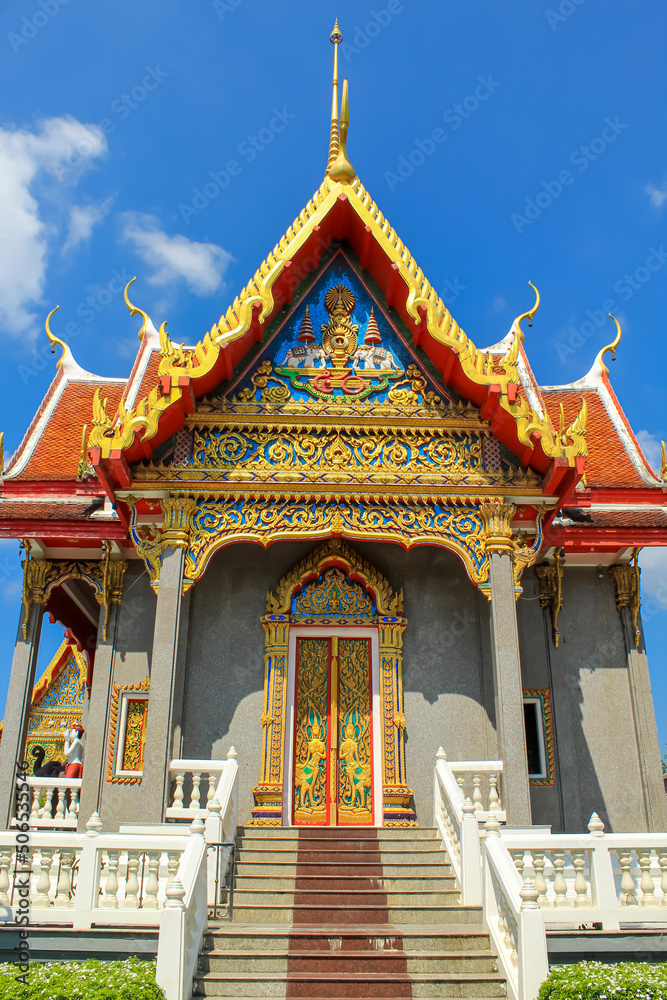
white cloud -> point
(82, 219)
(652, 449)
(499, 303)
(653, 562)
(657, 195)
(64, 148)
(201, 265)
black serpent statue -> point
(52, 769)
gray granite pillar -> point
(19, 698)
(507, 664)
(164, 659)
(97, 720)
(648, 747)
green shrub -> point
(91, 980)
(595, 981)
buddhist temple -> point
(335, 538)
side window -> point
(539, 736)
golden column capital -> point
(37, 574)
(627, 585)
(178, 513)
(497, 524)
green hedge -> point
(595, 981)
(91, 980)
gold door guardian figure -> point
(355, 777)
(307, 774)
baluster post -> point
(494, 794)
(34, 811)
(5, 862)
(110, 898)
(628, 897)
(477, 793)
(580, 884)
(152, 883)
(60, 794)
(64, 887)
(540, 881)
(47, 811)
(178, 790)
(560, 885)
(662, 861)
(44, 881)
(196, 794)
(647, 884)
(131, 901)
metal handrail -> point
(232, 877)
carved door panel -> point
(333, 775)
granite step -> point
(348, 896)
(289, 869)
(342, 883)
(362, 937)
(300, 913)
(261, 855)
(316, 961)
(304, 984)
(336, 832)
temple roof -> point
(575, 437)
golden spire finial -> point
(610, 347)
(342, 170)
(530, 315)
(335, 38)
(55, 341)
(135, 310)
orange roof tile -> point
(608, 463)
(56, 454)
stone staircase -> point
(342, 912)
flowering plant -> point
(595, 981)
(90, 980)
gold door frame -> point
(396, 795)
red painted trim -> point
(581, 539)
(93, 530)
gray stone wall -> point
(597, 742)
(131, 664)
(603, 754)
(447, 672)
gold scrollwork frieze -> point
(458, 528)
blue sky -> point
(177, 141)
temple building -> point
(336, 534)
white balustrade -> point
(533, 880)
(479, 780)
(190, 777)
(86, 879)
(458, 824)
(54, 803)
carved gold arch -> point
(390, 623)
(42, 576)
(453, 524)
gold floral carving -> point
(42, 576)
(347, 454)
(497, 521)
(256, 302)
(453, 526)
(335, 551)
(550, 576)
(177, 515)
(113, 766)
(627, 584)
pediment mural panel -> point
(337, 397)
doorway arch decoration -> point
(334, 586)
